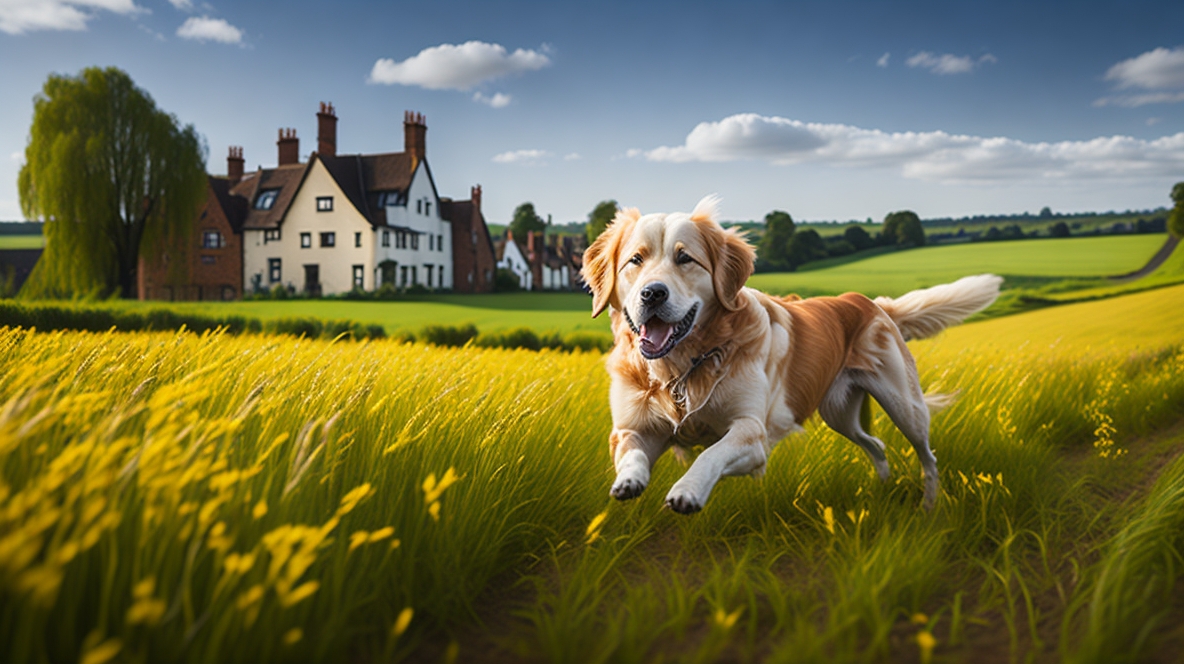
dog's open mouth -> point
(658, 337)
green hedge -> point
(96, 319)
(49, 317)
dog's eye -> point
(683, 258)
(636, 260)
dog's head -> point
(667, 272)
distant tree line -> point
(783, 247)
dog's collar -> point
(677, 386)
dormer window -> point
(387, 198)
(324, 203)
(266, 199)
(419, 206)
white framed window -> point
(324, 203)
(359, 275)
(328, 239)
(415, 241)
(419, 206)
(386, 238)
(273, 270)
(427, 208)
(428, 268)
(271, 235)
(212, 240)
(440, 242)
(266, 199)
(305, 240)
(357, 239)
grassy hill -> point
(899, 272)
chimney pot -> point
(234, 165)
(289, 147)
(415, 131)
(327, 130)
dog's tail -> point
(924, 313)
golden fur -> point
(748, 368)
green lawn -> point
(539, 311)
(900, 272)
(22, 241)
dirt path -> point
(1156, 260)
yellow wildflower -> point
(293, 636)
(402, 622)
(926, 643)
(593, 531)
(726, 620)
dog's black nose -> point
(654, 294)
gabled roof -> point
(286, 178)
(361, 177)
(234, 206)
(460, 215)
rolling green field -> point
(897, 273)
(175, 497)
(22, 241)
(891, 274)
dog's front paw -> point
(683, 502)
(626, 488)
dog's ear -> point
(600, 259)
(731, 267)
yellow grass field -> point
(175, 497)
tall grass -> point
(185, 497)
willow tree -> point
(111, 175)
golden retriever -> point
(699, 359)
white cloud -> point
(498, 100)
(1135, 101)
(1160, 70)
(1151, 122)
(932, 156)
(883, 61)
(17, 156)
(209, 29)
(947, 63)
(572, 156)
(456, 66)
(522, 157)
(182, 5)
(20, 16)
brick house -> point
(474, 261)
(335, 223)
(210, 265)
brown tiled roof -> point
(286, 178)
(361, 178)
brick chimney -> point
(475, 197)
(327, 131)
(234, 165)
(415, 131)
(289, 147)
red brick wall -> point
(212, 274)
(472, 251)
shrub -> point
(588, 341)
(297, 327)
(519, 337)
(505, 281)
(448, 335)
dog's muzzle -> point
(657, 337)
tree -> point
(1046, 212)
(599, 219)
(903, 227)
(805, 246)
(526, 220)
(858, 237)
(1176, 219)
(112, 175)
(1059, 229)
(774, 245)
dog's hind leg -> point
(896, 388)
(841, 410)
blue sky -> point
(828, 110)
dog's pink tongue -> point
(654, 334)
